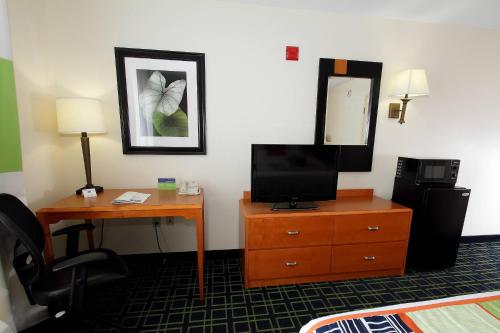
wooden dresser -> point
(358, 235)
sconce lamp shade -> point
(411, 82)
(79, 115)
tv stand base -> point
(294, 206)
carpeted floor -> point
(161, 295)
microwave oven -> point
(428, 171)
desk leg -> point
(90, 235)
(48, 251)
(200, 236)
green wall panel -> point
(10, 144)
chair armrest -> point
(81, 259)
(73, 228)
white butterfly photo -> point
(161, 107)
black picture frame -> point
(352, 157)
(126, 110)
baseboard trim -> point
(236, 253)
(480, 239)
(188, 255)
(223, 254)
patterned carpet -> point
(162, 296)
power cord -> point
(157, 238)
(102, 234)
(156, 224)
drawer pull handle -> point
(373, 228)
(291, 263)
(369, 258)
(292, 232)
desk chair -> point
(60, 285)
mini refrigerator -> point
(437, 222)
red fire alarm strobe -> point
(292, 53)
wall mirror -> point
(346, 110)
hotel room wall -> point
(253, 96)
(15, 310)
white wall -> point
(253, 96)
(15, 309)
(5, 51)
(5, 307)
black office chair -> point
(62, 284)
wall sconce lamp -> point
(408, 84)
(81, 116)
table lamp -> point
(81, 116)
(407, 84)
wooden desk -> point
(160, 203)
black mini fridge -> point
(437, 222)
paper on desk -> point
(131, 198)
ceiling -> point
(472, 13)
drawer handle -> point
(373, 228)
(369, 257)
(292, 232)
(291, 263)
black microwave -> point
(428, 171)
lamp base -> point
(98, 189)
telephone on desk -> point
(189, 188)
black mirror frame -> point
(352, 157)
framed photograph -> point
(162, 101)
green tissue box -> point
(167, 184)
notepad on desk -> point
(130, 198)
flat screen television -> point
(292, 175)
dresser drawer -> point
(368, 257)
(365, 228)
(280, 232)
(281, 263)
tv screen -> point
(286, 173)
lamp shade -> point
(412, 82)
(77, 115)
